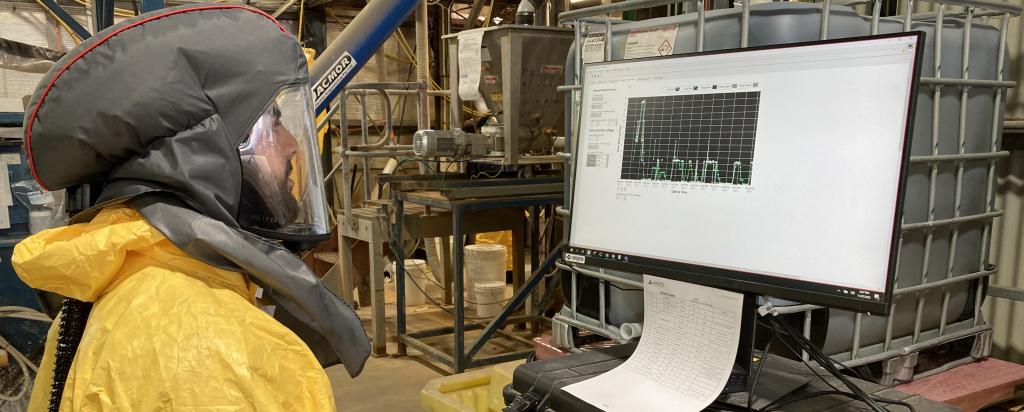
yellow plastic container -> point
(474, 391)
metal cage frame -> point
(899, 350)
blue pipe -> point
(343, 58)
(58, 11)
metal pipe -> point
(908, 15)
(959, 157)
(600, 20)
(608, 39)
(990, 172)
(568, 88)
(390, 153)
(422, 64)
(610, 332)
(856, 335)
(572, 275)
(396, 244)
(700, 25)
(385, 86)
(605, 9)
(599, 275)
(1008, 8)
(330, 112)
(342, 59)
(826, 8)
(971, 82)
(943, 282)
(346, 169)
(791, 309)
(917, 347)
(944, 368)
(458, 260)
(282, 9)
(933, 15)
(745, 24)
(365, 129)
(947, 222)
(892, 309)
(370, 147)
(807, 333)
(876, 15)
(962, 145)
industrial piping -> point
(343, 58)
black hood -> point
(155, 108)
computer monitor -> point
(774, 170)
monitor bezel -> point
(750, 282)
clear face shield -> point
(282, 180)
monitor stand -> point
(771, 384)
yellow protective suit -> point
(166, 332)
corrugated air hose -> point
(73, 315)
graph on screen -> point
(697, 138)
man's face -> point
(280, 150)
(268, 166)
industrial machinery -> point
(450, 143)
(520, 68)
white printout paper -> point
(659, 41)
(469, 64)
(684, 357)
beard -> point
(275, 199)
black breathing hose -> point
(73, 316)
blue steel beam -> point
(11, 118)
(59, 12)
(343, 58)
(150, 5)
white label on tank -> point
(659, 41)
(341, 68)
(593, 48)
(469, 64)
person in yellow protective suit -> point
(166, 332)
(195, 124)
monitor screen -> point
(774, 170)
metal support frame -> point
(962, 82)
(1004, 292)
(463, 359)
(103, 16)
(66, 18)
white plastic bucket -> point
(489, 297)
(484, 263)
(416, 270)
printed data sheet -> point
(684, 357)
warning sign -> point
(659, 41)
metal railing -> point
(583, 19)
(383, 147)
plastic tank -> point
(784, 22)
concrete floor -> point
(393, 383)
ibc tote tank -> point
(785, 22)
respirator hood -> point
(154, 108)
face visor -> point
(282, 187)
